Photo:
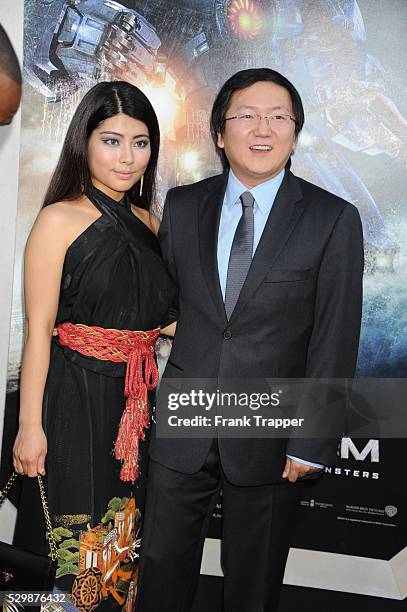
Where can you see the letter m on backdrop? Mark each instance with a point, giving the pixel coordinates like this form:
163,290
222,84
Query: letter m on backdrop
372,447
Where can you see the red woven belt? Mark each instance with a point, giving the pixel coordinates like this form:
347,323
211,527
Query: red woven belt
136,348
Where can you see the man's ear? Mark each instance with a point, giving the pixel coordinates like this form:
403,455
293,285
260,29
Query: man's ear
219,141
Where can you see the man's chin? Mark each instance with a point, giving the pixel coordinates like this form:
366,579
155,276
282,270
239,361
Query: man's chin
256,177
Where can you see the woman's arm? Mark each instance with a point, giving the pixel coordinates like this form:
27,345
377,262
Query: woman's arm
44,259
169,330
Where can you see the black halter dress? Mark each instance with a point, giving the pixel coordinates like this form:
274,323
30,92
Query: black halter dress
113,277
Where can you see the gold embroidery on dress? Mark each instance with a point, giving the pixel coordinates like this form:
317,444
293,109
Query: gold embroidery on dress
103,559
66,520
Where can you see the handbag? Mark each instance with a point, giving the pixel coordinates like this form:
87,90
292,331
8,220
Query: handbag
21,570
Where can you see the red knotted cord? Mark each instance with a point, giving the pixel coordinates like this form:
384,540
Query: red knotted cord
136,348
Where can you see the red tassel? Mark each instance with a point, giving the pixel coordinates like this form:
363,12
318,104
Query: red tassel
134,422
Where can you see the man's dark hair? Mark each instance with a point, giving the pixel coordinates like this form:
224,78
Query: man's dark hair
8,60
246,78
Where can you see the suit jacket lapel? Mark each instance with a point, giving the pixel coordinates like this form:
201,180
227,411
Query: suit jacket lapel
283,217
210,208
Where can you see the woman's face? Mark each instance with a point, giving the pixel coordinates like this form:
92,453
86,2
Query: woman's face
118,153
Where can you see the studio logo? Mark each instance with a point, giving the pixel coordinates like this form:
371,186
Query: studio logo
371,448
390,511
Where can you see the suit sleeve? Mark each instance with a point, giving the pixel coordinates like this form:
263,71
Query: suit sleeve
166,243
334,342
333,348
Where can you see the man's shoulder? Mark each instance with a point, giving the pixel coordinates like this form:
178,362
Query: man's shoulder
192,192
324,202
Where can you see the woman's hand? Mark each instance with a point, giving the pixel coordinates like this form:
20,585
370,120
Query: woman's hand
169,330
30,450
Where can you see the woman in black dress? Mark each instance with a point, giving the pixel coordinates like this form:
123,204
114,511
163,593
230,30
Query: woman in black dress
93,277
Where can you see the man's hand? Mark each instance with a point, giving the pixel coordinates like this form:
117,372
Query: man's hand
295,469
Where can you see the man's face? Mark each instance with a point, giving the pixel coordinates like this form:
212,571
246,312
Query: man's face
241,142
10,95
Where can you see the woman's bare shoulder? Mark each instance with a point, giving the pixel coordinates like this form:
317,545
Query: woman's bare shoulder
67,218
68,209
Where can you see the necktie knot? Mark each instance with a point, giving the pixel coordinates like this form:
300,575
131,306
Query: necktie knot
247,199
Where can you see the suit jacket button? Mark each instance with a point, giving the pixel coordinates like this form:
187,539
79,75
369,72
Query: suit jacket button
227,334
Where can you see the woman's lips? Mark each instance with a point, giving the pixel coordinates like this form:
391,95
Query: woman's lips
124,175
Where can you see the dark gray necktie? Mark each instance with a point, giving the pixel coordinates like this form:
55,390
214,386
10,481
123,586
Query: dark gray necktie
240,253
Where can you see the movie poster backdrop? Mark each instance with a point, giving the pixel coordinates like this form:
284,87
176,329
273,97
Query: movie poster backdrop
347,59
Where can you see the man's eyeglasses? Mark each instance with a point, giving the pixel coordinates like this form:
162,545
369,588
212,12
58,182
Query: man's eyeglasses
251,119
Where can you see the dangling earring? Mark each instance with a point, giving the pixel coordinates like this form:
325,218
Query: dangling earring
141,185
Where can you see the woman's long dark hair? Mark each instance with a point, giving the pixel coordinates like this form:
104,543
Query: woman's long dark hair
71,177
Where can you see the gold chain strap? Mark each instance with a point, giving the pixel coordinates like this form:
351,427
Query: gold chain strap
50,533
44,503
9,484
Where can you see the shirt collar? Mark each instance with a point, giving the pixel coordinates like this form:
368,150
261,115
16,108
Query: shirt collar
264,194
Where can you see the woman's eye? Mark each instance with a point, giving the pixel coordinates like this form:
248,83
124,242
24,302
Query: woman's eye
140,144
110,141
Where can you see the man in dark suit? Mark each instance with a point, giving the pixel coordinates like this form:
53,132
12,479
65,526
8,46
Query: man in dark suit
269,269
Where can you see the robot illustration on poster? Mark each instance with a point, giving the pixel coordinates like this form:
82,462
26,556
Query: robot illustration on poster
194,45
179,53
